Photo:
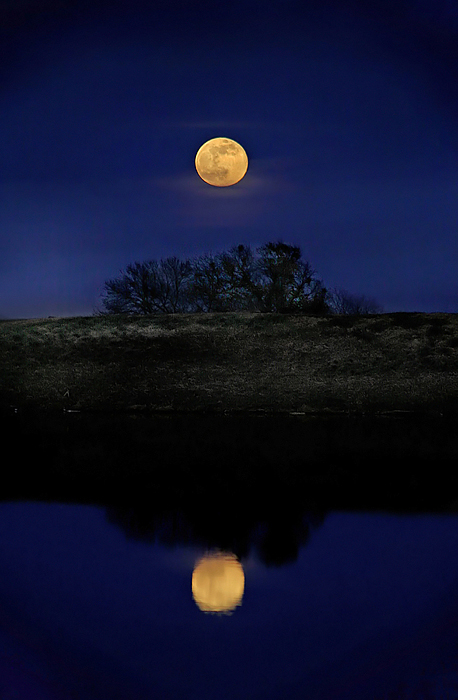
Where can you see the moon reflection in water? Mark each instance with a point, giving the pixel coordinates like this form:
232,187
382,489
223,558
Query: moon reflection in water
218,583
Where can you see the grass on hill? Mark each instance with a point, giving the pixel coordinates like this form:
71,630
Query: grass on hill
231,361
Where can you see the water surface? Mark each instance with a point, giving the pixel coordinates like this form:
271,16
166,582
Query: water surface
368,608
339,535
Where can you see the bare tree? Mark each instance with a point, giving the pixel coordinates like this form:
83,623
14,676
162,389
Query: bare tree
343,302
206,290
288,284
173,282
223,281
274,278
240,277
131,293
148,288
316,301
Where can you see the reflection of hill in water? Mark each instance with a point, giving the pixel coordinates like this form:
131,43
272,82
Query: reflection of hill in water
231,481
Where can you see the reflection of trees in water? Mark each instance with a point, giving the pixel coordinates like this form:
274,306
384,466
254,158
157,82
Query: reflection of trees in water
276,535
233,482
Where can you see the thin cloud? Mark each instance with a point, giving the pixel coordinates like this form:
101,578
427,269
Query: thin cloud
221,124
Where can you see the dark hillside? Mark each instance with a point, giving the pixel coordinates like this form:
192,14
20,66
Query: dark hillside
231,361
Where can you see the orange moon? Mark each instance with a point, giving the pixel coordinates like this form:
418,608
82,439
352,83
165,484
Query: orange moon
221,162
218,583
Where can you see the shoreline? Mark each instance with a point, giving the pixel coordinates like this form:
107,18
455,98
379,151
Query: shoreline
242,413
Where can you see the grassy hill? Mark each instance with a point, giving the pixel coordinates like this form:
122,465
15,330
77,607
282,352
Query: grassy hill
231,361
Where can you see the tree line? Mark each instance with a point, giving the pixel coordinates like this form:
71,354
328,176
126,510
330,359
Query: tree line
271,279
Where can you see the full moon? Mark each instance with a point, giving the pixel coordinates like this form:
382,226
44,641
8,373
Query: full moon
218,583
221,162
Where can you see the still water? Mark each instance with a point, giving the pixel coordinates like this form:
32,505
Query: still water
206,583
369,608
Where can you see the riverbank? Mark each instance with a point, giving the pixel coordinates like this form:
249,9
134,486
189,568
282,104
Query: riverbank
231,362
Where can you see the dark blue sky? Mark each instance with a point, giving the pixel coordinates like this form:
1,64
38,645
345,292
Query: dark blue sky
348,112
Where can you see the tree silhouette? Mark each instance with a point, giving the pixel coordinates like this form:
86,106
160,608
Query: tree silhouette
288,283
206,289
343,302
241,277
273,279
147,288
174,278
223,282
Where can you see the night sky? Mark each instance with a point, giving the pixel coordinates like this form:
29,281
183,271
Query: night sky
348,112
